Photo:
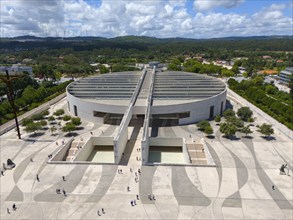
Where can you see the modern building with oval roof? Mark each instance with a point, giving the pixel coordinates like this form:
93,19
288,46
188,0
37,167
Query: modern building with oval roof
187,97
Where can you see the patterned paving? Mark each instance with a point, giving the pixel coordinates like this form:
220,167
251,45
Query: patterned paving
239,187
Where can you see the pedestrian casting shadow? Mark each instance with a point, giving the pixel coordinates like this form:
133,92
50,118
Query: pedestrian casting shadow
269,138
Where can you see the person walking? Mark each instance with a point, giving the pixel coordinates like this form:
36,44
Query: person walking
14,207
38,179
8,211
103,211
99,213
63,178
64,192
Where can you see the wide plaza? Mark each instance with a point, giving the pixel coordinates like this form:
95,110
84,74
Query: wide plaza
240,186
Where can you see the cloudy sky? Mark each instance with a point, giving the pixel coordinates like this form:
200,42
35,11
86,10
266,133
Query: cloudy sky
158,18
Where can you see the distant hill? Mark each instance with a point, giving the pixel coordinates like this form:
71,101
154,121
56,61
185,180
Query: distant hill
143,43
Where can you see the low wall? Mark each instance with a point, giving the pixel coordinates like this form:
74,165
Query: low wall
121,139
62,152
209,157
185,152
88,147
167,142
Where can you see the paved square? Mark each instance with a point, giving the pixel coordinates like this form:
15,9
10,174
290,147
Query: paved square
239,187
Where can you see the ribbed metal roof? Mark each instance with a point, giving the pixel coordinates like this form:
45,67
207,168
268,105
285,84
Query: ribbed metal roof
167,86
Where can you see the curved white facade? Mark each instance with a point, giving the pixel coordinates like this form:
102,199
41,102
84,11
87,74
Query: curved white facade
184,94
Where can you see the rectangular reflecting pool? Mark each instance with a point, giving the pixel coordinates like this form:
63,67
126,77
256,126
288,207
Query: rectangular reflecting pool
163,154
102,154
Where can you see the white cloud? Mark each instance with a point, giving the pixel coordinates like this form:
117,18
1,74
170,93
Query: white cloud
203,5
158,18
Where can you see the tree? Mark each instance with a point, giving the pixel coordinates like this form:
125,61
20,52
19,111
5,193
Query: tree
208,130
244,113
76,121
228,129
246,130
51,118
68,127
26,121
53,129
266,129
37,117
228,113
227,73
218,118
202,125
235,121
33,127
66,117
59,112
43,123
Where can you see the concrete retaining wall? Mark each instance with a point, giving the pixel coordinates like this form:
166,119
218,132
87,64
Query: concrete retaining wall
121,139
63,151
168,142
89,146
186,155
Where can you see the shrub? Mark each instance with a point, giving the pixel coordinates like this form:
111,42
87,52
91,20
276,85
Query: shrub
51,118
228,113
43,123
266,129
244,113
68,127
202,125
250,119
228,129
218,118
66,117
37,117
59,112
33,127
26,121
76,121
208,130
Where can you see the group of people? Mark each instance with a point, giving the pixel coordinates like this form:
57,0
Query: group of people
58,191
103,212
13,207
151,197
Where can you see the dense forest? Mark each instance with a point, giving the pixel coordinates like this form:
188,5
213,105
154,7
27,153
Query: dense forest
267,97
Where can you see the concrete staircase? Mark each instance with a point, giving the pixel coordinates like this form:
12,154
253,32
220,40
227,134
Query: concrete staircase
196,153
73,150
